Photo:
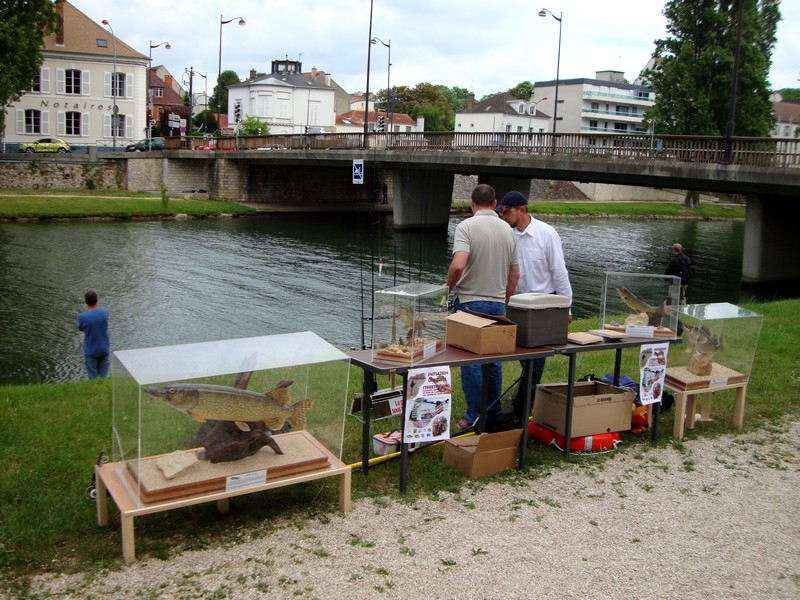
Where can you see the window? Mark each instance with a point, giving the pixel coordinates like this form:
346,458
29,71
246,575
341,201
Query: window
592,124
73,123
101,43
118,126
786,131
622,110
33,121
519,128
521,109
158,92
621,127
508,128
118,82
73,82
595,107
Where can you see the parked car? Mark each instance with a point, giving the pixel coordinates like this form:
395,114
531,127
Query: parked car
46,145
156,143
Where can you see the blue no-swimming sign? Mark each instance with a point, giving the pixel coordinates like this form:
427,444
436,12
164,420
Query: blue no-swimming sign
358,170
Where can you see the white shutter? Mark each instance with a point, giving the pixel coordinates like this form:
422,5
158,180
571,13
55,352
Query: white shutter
85,124
61,123
60,81
129,127
128,86
20,121
44,80
107,126
107,85
86,89
45,122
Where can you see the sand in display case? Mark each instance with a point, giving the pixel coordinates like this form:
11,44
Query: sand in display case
196,418
719,345
410,323
640,305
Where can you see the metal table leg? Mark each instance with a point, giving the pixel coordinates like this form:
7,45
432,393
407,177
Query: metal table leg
368,388
570,401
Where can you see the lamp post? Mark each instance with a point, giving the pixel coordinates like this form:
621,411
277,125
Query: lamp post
543,13
222,22
366,95
192,73
167,46
388,77
115,109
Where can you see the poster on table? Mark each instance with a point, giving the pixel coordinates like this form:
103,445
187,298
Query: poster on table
652,369
428,405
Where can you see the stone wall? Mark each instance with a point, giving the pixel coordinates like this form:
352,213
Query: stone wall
145,173
62,173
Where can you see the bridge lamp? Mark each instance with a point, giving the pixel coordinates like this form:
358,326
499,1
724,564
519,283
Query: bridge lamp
222,22
115,109
167,46
543,13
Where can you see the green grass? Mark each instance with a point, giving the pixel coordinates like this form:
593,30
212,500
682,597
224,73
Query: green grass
51,436
631,209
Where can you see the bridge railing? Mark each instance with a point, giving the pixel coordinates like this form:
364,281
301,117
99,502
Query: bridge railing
759,152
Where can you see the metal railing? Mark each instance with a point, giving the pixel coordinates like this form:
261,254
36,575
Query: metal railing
760,152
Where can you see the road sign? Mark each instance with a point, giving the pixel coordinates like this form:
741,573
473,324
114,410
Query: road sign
358,171
174,120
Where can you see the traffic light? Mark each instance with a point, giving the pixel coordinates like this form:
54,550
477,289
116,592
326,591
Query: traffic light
380,124
237,112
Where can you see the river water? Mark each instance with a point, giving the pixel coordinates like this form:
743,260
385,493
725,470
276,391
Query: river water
183,281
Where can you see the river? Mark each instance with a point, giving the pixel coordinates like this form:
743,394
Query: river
182,281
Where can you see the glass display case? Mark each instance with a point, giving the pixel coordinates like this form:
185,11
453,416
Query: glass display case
719,345
203,417
640,305
409,323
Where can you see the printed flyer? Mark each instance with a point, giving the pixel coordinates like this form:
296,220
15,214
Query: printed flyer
428,405
653,368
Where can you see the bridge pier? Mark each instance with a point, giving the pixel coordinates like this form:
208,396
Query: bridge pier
503,184
422,199
770,241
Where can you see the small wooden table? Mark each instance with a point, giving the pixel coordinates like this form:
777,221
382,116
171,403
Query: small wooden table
116,479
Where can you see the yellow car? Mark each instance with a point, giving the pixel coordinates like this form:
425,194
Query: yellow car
46,145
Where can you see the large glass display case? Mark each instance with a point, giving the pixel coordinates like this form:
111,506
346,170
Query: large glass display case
719,345
410,323
201,417
640,305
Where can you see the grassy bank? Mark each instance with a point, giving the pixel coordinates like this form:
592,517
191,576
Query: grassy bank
30,204
51,435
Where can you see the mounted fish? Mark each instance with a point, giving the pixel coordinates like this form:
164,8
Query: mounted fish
702,344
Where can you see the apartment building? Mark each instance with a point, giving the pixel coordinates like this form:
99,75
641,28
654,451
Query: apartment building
74,94
603,104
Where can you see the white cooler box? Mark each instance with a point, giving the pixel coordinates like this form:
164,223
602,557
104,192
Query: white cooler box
542,319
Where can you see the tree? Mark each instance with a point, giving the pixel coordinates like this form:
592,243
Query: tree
790,93
23,27
253,126
694,68
226,78
163,124
457,98
523,90
425,99
205,121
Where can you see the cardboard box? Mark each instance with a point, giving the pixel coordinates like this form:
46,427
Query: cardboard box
481,334
541,319
597,408
483,454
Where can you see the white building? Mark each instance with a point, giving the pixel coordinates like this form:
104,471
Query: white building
787,117
502,113
286,100
73,98
605,103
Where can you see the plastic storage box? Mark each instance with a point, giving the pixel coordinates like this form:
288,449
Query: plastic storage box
541,319
639,305
410,323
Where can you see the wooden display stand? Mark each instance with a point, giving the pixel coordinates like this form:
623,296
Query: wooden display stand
206,482
687,386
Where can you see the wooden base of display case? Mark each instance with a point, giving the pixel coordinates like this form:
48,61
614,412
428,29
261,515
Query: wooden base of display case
407,356
687,386
304,459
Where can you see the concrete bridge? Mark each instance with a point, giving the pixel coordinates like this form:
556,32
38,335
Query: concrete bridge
283,173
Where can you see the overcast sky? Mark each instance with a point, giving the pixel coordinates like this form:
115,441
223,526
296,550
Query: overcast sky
486,47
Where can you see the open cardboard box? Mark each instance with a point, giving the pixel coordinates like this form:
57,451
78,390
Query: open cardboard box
597,408
481,334
483,454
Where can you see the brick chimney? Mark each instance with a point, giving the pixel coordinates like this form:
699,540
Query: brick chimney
470,100
253,73
168,81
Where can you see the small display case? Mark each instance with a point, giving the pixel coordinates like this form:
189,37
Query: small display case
640,305
200,418
719,345
410,323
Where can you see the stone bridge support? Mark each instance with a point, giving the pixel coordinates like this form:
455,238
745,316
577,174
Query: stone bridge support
228,180
503,184
771,241
422,199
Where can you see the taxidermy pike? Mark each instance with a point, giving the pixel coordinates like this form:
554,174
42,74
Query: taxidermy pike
638,305
700,339
204,402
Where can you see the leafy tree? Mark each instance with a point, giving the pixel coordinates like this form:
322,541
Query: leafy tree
425,99
790,93
163,123
205,121
253,126
226,78
23,27
457,99
692,78
523,90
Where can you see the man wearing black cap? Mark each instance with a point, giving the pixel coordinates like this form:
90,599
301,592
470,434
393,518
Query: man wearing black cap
541,269
482,275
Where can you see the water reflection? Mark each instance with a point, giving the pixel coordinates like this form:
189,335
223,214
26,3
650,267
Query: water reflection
171,282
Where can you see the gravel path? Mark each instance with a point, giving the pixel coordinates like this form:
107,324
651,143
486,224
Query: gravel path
706,518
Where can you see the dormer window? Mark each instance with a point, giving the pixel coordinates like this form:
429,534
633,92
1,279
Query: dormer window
521,109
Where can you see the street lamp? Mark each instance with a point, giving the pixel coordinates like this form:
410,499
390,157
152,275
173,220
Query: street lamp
366,95
543,13
115,109
222,22
167,46
532,111
388,77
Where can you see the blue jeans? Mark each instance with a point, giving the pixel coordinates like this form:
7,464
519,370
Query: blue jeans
472,375
97,366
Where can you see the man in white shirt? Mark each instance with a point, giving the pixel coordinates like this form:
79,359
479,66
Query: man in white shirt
541,269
